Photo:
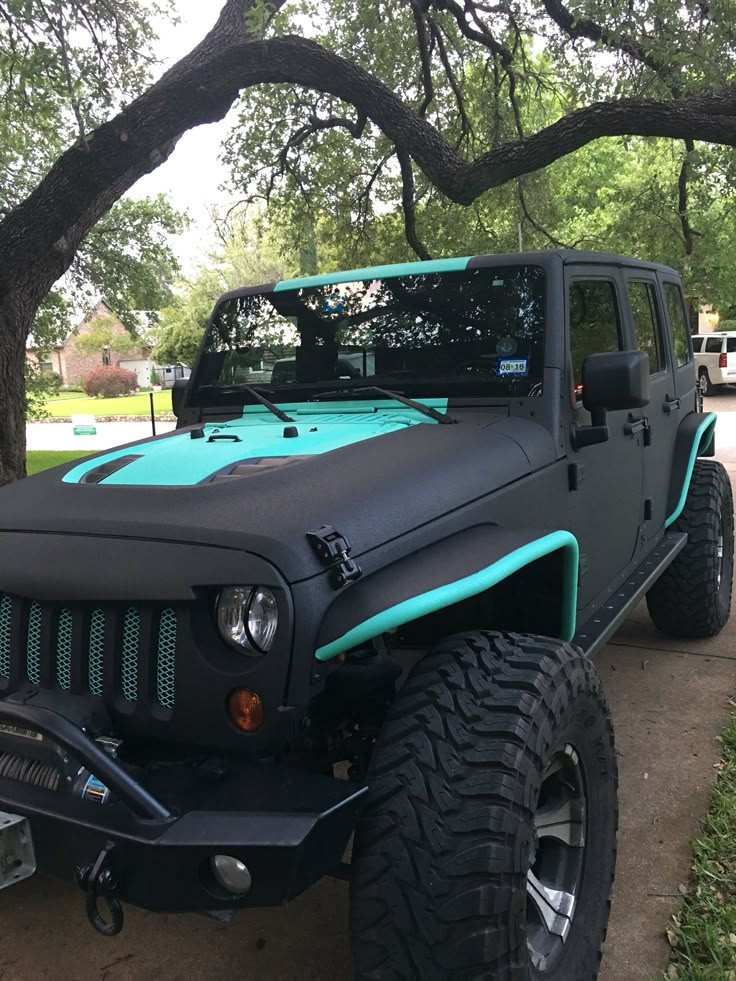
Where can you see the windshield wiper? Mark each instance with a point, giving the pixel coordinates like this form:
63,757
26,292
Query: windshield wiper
254,393
441,417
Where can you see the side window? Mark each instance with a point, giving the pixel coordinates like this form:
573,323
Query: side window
595,324
713,345
730,346
697,344
647,323
679,327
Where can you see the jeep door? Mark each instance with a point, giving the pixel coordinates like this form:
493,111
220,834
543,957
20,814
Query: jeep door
648,332
606,480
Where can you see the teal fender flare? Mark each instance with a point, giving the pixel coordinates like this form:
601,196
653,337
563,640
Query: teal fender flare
446,572
694,438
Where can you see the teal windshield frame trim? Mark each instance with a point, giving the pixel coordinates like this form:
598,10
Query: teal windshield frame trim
472,585
701,442
376,272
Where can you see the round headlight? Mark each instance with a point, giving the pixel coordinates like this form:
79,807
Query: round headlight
263,615
247,617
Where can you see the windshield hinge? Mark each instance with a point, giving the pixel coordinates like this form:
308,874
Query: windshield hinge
333,551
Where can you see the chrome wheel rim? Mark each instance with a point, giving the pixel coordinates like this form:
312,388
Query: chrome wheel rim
556,868
719,557
703,383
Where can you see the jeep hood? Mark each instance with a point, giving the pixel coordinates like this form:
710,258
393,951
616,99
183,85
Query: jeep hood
374,474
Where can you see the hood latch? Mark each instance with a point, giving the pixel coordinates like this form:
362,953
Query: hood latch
333,550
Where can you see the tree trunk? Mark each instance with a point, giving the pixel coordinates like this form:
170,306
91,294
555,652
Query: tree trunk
15,323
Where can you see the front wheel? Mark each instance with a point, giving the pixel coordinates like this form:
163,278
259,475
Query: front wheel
486,849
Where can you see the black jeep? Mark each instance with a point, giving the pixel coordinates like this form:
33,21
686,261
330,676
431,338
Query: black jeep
364,603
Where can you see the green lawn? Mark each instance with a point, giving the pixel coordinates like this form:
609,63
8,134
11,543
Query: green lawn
125,405
60,396
704,932
38,460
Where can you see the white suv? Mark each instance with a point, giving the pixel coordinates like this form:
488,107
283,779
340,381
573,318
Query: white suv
715,360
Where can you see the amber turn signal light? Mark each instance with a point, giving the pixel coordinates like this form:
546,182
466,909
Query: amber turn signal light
246,709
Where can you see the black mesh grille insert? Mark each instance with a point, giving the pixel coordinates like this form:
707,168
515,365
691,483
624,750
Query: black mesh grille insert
122,652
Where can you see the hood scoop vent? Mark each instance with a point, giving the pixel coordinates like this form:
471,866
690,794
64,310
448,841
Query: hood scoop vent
98,474
246,468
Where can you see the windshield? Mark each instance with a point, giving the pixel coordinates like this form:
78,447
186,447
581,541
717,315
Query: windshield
472,333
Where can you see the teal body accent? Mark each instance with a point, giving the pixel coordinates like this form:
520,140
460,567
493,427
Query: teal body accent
461,589
375,272
703,438
179,460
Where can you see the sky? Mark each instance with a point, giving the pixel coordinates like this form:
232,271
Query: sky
192,176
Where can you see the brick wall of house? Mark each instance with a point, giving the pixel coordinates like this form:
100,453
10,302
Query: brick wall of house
51,357
75,363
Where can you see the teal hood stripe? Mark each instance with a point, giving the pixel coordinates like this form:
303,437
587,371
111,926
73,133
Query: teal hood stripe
179,460
376,272
461,589
703,438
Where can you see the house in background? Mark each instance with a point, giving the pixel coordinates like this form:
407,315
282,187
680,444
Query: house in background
72,363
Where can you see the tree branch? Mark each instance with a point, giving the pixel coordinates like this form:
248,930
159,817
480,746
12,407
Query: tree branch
583,27
682,198
408,206
424,43
533,222
40,236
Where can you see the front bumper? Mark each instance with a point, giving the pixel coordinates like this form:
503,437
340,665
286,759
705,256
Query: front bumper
288,826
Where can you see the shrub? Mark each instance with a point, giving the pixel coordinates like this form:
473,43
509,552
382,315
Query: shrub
40,385
107,382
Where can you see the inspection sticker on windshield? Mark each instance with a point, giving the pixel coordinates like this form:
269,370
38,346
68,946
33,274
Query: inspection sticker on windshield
512,366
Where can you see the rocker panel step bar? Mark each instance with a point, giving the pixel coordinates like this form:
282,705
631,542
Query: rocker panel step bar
596,631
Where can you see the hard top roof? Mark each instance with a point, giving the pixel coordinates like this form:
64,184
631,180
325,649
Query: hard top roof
568,256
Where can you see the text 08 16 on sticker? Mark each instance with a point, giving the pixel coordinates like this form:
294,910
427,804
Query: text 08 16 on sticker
513,366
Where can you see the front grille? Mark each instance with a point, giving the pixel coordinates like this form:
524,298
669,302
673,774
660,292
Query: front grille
124,653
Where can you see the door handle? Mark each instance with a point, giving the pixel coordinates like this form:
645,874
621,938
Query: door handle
669,405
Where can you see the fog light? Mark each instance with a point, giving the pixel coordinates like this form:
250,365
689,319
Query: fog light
231,874
246,709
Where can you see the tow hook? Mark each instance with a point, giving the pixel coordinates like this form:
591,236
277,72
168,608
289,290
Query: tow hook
98,881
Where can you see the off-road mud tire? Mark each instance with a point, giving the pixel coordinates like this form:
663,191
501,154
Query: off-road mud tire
443,848
689,599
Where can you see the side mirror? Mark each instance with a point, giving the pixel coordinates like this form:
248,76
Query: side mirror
179,395
611,381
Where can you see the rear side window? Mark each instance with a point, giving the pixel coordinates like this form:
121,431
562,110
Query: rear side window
679,327
731,344
713,345
647,329
595,324
697,344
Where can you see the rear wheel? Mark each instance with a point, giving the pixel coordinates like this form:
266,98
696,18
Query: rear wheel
704,385
693,597
487,846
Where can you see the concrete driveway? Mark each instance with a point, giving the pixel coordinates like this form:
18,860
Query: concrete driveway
669,700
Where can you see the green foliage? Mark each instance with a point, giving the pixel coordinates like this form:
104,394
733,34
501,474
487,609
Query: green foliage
102,334
39,386
247,255
62,66
340,182
703,934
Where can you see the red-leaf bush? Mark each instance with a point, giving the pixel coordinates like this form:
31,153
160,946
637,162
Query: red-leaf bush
107,382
